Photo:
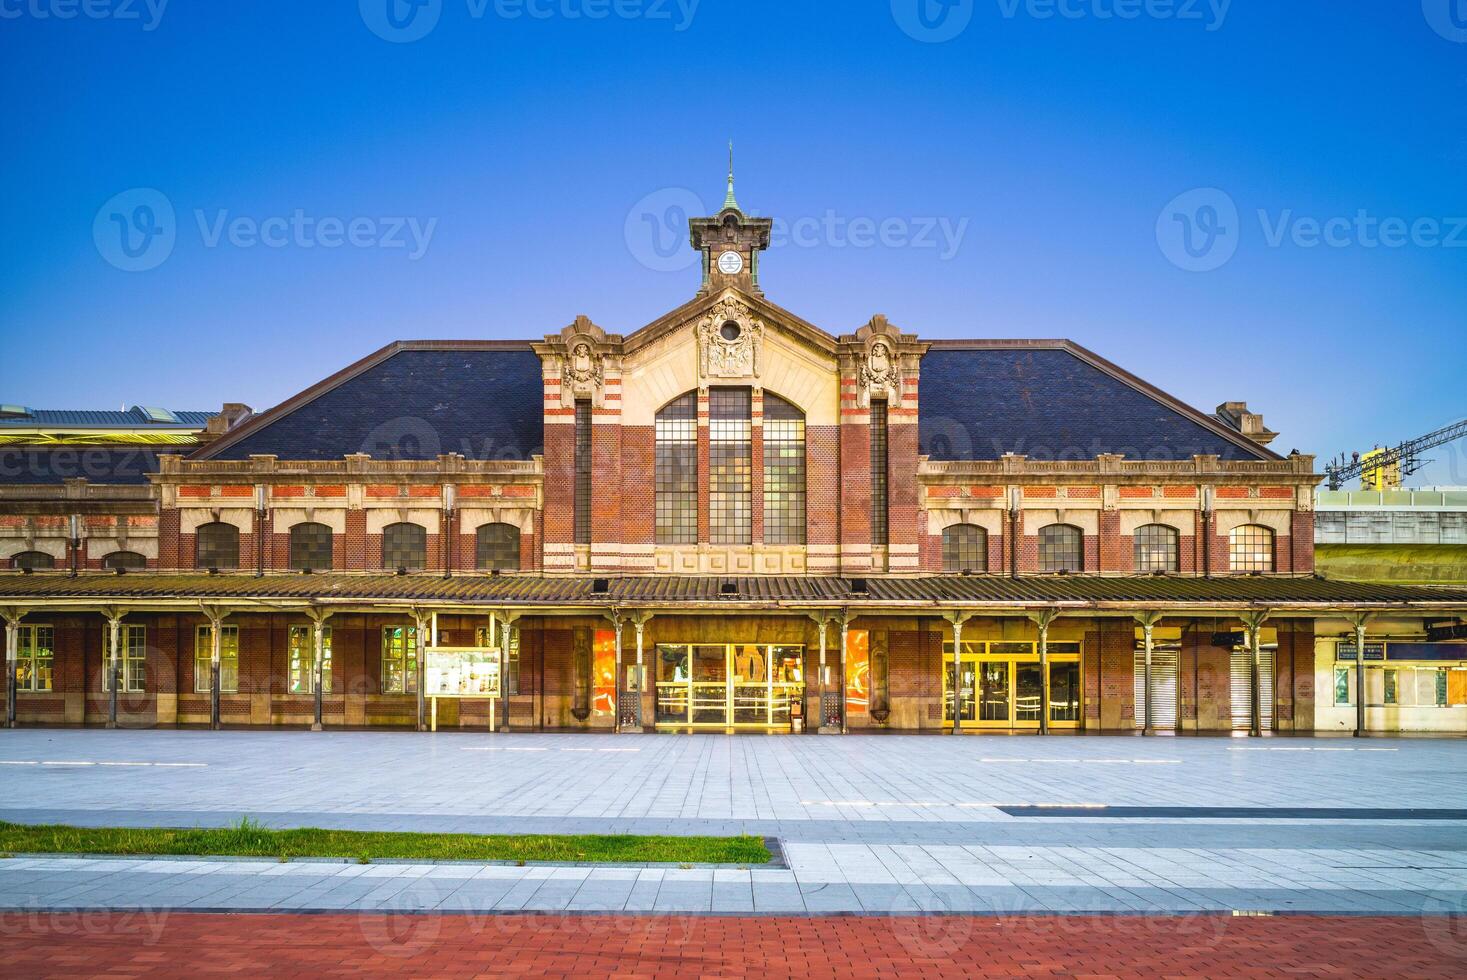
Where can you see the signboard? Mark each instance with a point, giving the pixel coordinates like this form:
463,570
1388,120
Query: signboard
1373,651
461,672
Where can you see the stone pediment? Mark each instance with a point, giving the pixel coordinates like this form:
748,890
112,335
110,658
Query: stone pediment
743,308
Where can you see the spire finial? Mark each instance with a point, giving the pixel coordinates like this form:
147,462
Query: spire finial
730,201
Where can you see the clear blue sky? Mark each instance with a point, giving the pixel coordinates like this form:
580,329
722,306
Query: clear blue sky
1054,143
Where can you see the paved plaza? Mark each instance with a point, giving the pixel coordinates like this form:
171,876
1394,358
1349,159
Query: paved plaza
886,825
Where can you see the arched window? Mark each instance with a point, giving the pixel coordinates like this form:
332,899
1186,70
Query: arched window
784,472
1156,548
35,560
499,548
126,560
677,471
217,546
1250,548
310,547
405,546
1061,548
964,548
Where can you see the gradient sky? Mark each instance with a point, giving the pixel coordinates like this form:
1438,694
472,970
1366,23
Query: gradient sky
541,146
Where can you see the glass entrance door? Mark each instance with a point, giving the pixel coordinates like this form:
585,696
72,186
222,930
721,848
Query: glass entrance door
710,694
967,687
728,685
1002,685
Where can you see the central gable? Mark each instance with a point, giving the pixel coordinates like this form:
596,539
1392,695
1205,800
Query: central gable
730,339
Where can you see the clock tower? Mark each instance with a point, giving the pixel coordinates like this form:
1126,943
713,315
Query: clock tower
730,242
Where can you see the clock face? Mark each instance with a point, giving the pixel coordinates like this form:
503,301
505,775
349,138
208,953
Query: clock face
730,263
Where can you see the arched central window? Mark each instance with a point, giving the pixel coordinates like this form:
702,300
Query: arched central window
1250,548
1061,549
784,472
677,471
310,547
964,548
405,546
730,466
1156,548
499,547
217,546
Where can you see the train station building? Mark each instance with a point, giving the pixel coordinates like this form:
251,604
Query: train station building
730,518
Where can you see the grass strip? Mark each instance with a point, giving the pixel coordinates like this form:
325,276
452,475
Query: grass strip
249,839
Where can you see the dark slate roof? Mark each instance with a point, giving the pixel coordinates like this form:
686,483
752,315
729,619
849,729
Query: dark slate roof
1055,403
408,402
111,464
84,418
673,591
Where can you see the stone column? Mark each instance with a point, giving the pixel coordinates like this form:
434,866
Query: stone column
12,643
1043,620
1148,623
616,620
957,620
845,636
1360,622
318,669
1253,623
216,619
114,638
420,634
507,629
639,624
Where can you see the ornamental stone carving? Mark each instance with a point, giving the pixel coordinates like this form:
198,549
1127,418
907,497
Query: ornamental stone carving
880,359
879,373
583,368
579,360
730,342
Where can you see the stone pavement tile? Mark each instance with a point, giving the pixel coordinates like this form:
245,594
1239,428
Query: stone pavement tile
733,896
602,895
773,897
829,897
644,892
477,896
519,895
1083,899
884,899
684,896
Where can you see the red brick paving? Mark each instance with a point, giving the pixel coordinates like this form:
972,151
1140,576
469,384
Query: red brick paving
193,945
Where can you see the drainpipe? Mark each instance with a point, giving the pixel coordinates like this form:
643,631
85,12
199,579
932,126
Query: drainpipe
449,500
259,530
76,543
1014,504
1207,532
